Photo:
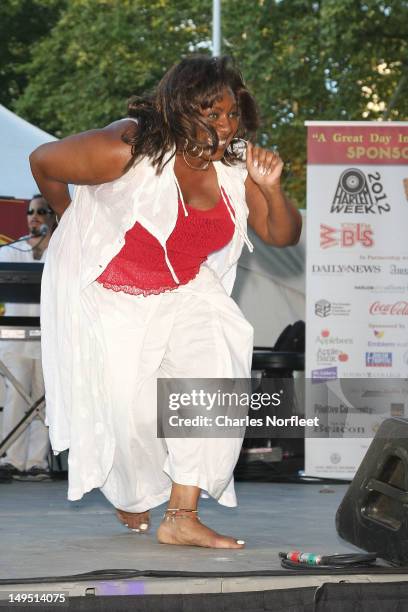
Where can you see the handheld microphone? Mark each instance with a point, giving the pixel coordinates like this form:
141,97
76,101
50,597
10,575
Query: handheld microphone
41,231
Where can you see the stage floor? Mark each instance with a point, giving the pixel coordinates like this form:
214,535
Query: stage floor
43,534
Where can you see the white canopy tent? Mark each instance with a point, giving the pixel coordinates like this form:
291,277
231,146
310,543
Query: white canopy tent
18,139
270,287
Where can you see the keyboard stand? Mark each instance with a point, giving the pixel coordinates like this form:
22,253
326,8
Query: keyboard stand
28,329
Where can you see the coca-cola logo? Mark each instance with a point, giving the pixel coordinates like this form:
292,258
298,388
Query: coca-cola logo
397,308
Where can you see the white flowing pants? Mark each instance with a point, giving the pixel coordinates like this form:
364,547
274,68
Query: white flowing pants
195,331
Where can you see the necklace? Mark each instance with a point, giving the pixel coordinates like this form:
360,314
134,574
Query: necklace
194,167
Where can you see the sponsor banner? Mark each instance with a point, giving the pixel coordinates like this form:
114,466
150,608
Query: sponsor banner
351,143
357,264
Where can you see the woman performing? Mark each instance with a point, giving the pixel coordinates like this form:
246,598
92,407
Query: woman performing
136,287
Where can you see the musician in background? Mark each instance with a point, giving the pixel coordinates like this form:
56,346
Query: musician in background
27,457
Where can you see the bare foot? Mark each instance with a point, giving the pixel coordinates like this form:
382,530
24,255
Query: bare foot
189,531
136,521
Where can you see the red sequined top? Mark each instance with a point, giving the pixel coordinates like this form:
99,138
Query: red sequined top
140,266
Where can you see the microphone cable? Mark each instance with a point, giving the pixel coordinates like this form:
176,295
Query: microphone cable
305,561
43,231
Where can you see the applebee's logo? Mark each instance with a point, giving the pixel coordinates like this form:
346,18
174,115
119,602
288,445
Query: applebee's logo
398,308
326,339
348,235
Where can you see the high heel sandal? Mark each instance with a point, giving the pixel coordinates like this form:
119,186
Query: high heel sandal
124,517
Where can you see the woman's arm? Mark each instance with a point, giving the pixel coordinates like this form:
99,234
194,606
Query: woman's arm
271,215
89,158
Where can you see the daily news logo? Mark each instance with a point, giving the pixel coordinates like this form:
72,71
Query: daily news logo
346,236
360,193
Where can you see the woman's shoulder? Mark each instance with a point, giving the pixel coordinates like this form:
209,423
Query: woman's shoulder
120,128
120,124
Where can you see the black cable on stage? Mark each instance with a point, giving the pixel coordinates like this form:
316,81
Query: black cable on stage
126,574
327,563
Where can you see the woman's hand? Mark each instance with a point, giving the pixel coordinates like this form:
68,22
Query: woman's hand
264,167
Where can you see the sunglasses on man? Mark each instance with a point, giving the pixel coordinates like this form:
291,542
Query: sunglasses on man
39,211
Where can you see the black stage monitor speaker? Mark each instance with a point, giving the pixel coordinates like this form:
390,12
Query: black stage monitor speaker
374,512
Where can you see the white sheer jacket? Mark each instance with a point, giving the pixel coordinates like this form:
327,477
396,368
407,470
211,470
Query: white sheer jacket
90,233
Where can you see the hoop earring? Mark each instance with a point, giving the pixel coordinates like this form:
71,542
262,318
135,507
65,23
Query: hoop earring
195,148
206,165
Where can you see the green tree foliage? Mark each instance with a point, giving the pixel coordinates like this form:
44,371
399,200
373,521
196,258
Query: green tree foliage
320,60
102,51
303,59
22,22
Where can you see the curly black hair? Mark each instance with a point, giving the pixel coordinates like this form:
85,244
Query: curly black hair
172,114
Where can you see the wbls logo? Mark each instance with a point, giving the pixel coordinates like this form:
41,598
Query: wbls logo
348,235
358,193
